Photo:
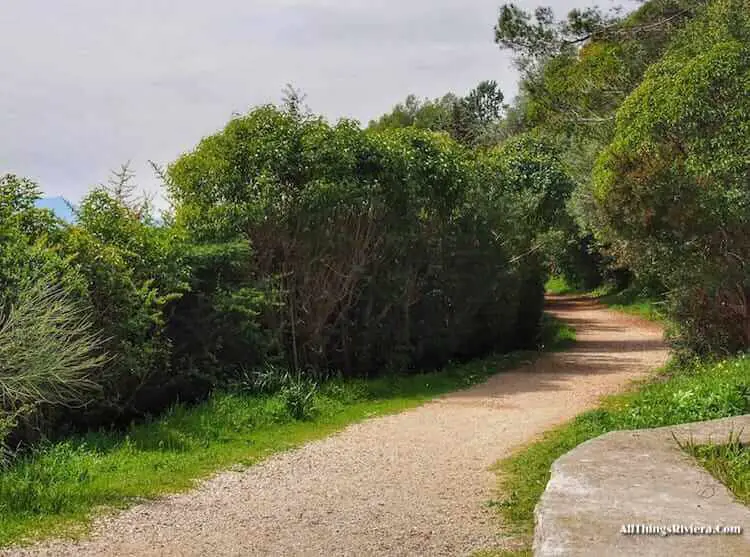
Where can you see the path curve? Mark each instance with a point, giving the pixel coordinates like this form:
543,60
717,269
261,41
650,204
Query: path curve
414,483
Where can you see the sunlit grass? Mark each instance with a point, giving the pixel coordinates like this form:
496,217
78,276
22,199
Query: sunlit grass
559,286
631,300
634,302
729,463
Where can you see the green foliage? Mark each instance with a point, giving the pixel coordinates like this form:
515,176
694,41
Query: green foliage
298,398
18,213
296,390
576,74
317,249
133,272
109,284
635,300
661,190
531,171
558,286
386,248
728,462
48,349
574,258
471,120
673,186
538,36
215,327
25,237
435,115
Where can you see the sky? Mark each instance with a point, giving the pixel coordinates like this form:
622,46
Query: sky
87,85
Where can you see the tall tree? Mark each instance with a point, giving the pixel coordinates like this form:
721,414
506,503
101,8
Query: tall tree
467,119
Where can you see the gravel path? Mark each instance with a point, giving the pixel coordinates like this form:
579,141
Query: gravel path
408,484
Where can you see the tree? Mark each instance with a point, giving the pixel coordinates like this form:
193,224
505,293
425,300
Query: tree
467,119
538,36
388,246
673,186
293,101
485,102
534,38
576,75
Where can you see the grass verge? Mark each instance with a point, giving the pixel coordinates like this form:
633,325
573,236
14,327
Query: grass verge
559,286
57,489
632,300
729,463
699,392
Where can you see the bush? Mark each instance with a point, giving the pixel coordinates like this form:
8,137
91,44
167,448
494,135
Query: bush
391,249
133,272
673,186
320,250
215,326
49,350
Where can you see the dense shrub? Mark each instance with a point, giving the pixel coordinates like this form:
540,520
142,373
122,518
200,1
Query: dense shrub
27,239
388,249
132,271
674,186
215,329
576,73
298,246
49,351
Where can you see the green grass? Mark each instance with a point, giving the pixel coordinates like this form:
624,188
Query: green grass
57,489
558,286
634,302
631,300
556,335
729,463
674,396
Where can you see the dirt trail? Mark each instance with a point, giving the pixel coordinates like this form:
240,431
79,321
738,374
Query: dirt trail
408,484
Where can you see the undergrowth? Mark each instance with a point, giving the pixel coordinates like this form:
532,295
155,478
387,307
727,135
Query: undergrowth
728,462
633,301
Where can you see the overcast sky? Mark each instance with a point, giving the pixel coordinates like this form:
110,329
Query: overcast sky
86,85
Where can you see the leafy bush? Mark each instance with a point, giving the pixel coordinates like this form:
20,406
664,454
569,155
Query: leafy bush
48,347
320,250
673,186
296,390
397,248
133,272
215,326
49,351
298,398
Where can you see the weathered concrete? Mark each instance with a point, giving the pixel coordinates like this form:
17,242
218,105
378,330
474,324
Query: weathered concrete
640,477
